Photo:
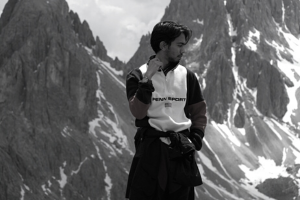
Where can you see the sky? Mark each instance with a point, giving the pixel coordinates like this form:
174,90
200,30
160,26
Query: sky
118,23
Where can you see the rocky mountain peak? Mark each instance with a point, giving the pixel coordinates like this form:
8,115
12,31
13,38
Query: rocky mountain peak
83,30
48,98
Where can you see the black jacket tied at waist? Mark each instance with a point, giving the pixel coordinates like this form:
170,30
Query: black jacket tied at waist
171,165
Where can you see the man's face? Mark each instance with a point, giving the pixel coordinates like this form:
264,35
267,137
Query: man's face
176,49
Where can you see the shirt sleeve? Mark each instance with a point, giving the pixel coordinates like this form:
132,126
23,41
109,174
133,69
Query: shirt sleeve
196,105
138,94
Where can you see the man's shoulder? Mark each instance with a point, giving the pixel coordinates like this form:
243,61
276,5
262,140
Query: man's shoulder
184,68
143,68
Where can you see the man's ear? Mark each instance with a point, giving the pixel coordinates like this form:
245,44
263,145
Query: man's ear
163,45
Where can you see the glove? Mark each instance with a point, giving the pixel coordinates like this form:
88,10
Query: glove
175,141
196,139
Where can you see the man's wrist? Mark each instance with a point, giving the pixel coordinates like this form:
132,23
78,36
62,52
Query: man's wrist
145,79
148,75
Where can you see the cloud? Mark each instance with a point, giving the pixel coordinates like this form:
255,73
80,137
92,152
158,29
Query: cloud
110,9
2,4
118,23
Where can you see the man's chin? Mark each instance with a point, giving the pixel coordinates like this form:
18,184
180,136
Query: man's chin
177,59
174,62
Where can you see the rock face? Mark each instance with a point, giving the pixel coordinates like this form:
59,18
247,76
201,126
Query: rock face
255,65
239,118
48,86
83,30
280,189
99,50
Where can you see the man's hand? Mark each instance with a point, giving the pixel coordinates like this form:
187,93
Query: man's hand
154,65
196,139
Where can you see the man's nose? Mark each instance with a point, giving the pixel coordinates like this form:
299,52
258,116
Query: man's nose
183,50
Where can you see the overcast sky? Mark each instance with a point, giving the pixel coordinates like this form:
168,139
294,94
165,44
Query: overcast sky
118,23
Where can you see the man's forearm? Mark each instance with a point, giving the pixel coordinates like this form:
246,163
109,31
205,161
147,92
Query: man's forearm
138,108
198,116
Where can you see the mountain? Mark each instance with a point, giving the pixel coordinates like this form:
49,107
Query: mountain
60,138
65,128
245,54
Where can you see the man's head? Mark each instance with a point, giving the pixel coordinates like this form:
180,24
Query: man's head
170,38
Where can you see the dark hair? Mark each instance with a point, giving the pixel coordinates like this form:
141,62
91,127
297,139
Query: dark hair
168,31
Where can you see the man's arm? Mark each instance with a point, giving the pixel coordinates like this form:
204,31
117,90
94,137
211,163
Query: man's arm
139,93
198,117
139,88
196,110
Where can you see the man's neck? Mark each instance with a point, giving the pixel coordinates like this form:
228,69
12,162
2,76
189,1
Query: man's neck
163,60
167,65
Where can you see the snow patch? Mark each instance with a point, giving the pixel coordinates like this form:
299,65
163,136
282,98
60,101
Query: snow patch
266,170
112,71
22,193
271,126
66,131
96,122
284,150
242,131
197,43
288,68
295,141
198,21
79,167
112,151
226,133
232,32
116,134
218,160
208,163
98,151
253,93
107,179
45,189
63,176
283,11
108,186
252,40
234,110
218,188
49,183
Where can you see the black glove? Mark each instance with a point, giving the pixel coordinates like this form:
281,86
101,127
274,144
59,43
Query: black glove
196,139
175,140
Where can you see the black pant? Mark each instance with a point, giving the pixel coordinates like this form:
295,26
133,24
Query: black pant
183,193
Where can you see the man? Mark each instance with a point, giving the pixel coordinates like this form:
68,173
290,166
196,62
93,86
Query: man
166,100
